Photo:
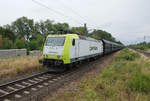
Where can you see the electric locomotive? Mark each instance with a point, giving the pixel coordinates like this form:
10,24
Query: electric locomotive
59,51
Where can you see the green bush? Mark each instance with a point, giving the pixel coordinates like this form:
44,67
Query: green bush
140,82
20,43
1,41
148,98
7,44
128,55
107,74
33,45
118,66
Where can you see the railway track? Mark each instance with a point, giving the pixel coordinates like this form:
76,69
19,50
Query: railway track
38,86
16,89
143,52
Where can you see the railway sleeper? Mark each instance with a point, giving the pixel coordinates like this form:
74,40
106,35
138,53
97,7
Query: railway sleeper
3,92
43,78
32,81
26,83
7,100
37,79
26,92
18,85
11,88
17,96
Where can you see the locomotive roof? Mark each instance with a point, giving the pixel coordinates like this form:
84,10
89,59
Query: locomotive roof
76,36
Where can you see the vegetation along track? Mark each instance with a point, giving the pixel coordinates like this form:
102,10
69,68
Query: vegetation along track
16,90
143,52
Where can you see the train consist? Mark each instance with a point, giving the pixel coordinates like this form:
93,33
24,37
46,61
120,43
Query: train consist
63,50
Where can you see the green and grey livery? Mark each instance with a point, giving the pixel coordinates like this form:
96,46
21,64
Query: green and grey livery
70,48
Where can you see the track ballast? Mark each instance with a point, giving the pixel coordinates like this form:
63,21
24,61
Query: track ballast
14,90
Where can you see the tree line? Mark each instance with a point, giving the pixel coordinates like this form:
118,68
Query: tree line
142,46
26,33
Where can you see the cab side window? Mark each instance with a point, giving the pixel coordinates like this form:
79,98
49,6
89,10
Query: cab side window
73,42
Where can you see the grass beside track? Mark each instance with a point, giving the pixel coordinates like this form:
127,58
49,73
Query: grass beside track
127,78
12,67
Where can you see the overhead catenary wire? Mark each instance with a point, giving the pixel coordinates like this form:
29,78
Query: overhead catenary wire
84,18
71,9
55,11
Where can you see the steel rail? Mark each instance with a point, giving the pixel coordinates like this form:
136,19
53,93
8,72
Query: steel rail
13,92
22,79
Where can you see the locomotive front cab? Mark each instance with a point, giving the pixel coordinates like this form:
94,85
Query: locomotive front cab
56,50
53,50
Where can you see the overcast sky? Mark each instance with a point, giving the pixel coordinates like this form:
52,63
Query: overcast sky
127,20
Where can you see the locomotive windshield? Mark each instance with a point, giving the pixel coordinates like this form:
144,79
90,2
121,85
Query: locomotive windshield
55,41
